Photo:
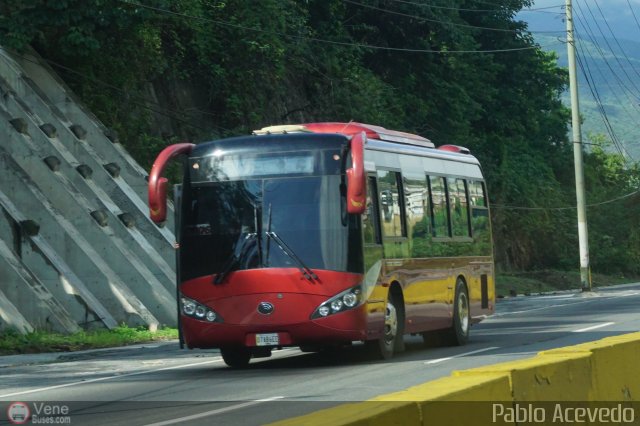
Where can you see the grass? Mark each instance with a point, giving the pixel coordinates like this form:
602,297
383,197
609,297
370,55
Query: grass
12,342
536,282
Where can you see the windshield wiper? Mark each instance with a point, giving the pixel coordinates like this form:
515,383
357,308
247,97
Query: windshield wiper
235,257
266,255
257,223
306,271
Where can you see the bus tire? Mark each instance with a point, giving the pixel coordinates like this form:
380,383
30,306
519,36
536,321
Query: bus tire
458,334
393,319
237,357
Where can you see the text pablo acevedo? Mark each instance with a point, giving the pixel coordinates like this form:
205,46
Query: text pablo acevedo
562,413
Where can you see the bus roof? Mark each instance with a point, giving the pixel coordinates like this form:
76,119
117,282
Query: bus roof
350,129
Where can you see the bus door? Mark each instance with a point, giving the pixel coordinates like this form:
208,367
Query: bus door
373,257
177,205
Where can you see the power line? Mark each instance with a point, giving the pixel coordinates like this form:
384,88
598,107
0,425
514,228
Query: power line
595,93
586,71
431,6
634,14
502,5
616,39
613,200
628,92
602,110
453,24
318,40
599,49
584,65
611,48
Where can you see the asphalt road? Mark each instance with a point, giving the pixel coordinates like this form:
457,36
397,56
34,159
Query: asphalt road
161,384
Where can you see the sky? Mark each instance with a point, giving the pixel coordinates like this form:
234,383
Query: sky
618,14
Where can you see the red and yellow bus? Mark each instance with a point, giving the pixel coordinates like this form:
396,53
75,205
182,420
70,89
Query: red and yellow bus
323,234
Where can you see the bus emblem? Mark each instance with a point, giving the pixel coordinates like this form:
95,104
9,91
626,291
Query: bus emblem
265,308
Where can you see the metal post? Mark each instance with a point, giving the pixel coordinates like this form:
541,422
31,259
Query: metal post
583,236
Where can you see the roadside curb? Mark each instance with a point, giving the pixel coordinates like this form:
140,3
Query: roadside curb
577,292
8,361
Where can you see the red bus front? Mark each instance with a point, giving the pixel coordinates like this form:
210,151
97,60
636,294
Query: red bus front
269,255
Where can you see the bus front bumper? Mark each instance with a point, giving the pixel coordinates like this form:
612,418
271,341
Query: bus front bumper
340,328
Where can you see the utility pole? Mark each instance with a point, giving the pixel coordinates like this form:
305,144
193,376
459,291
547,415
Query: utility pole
583,236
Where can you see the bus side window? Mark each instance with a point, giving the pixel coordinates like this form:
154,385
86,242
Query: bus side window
391,204
479,210
459,207
371,216
417,200
439,206
476,194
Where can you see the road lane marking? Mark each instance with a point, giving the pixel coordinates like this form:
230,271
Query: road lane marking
435,361
524,311
117,376
137,373
212,412
593,327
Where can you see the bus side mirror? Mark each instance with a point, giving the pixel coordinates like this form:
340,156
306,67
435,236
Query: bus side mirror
158,208
356,177
157,189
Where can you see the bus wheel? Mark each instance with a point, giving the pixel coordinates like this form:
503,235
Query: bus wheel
458,334
236,357
383,348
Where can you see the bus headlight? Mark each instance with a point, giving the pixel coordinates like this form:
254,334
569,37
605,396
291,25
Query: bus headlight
211,316
188,306
193,309
350,300
341,302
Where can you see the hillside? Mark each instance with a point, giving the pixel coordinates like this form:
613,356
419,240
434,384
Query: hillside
614,79
609,62
462,72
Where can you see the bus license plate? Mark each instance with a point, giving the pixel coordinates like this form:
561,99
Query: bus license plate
269,339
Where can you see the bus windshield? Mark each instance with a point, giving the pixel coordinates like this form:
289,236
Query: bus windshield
228,221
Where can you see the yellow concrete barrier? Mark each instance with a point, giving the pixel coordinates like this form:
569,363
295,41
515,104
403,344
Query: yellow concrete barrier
605,370
557,377
615,366
486,387
369,413
427,404
436,399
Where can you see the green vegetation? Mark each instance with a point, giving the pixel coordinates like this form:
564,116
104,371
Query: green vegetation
158,71
15,343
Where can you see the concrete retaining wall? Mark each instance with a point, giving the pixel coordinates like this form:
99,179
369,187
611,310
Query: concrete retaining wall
54,93
607,370
36,306
35,254
78,247
82,255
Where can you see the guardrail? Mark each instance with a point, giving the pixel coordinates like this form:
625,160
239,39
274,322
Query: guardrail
590,383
